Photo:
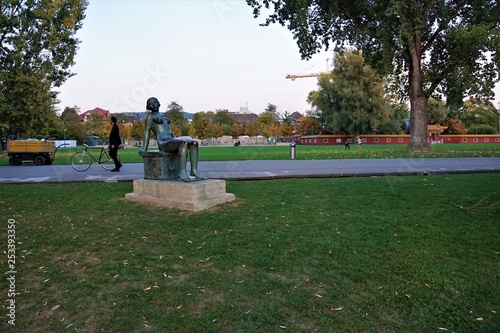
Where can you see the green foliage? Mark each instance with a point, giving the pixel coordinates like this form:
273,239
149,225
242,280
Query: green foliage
251,129
73,127
438,111
37,48
267,118
271,108
479,112
448,47
137,131
222,117
95,125
397,122
481,129
175,112
198,126
351,98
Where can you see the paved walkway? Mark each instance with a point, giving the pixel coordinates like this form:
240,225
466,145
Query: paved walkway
258,169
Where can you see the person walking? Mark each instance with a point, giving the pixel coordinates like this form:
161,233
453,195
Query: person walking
114,143
360,142
347,144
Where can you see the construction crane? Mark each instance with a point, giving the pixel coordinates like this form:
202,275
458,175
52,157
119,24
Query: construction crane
298,76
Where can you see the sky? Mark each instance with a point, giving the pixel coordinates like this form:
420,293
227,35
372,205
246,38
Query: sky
205,55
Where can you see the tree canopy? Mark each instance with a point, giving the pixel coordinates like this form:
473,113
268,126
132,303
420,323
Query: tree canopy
447,47
351,98
37,49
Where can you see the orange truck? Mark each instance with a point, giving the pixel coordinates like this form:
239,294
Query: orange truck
31,151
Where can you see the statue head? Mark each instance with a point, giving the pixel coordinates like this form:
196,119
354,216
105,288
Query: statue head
152,104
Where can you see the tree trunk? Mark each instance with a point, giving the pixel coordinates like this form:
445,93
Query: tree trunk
418,102
418,124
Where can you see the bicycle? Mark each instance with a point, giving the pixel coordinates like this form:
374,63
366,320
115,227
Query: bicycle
81,161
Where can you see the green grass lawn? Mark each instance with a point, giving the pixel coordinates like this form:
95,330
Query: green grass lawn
225,153
388,254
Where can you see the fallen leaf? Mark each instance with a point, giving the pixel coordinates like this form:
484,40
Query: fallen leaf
333,310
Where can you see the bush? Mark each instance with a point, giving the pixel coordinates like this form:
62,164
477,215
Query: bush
481,129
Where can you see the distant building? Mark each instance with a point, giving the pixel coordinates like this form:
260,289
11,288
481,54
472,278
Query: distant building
132,117
294,118
101,112
243,118
244,110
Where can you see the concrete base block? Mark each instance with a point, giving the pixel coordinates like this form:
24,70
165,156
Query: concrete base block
161,165
193,196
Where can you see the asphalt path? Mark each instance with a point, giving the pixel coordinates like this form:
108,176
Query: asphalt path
262,169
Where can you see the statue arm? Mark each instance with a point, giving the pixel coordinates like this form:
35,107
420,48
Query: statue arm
145,141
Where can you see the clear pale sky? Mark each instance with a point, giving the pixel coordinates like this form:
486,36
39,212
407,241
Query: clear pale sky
203,54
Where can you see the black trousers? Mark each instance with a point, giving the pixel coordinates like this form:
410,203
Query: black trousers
113,153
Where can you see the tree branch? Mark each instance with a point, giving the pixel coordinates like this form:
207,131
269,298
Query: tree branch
442,25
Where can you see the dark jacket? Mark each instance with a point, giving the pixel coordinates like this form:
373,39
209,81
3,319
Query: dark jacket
114,136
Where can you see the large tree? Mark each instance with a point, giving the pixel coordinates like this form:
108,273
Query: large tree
351,98
448,47
37,48
73,128
479,112
222,117
175,112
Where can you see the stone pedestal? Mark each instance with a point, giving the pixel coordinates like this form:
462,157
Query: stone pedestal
161,165
193,196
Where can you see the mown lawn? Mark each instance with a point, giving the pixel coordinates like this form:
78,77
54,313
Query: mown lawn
389,254
225,153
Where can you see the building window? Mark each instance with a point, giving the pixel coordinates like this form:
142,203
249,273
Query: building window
497,139
476,140
338,140
388,140
464,140
325,140
486,139
400,140
376,140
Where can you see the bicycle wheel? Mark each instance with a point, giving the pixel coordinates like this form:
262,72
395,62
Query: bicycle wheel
107,162
81,161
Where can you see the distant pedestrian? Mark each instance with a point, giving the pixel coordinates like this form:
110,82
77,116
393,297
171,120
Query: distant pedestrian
360,142
347,144
114,143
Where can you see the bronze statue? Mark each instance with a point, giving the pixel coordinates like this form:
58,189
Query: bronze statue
159,124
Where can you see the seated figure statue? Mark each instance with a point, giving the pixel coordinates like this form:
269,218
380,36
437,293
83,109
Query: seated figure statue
159,124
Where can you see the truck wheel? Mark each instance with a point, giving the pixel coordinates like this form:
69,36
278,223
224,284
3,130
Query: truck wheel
15,160
39,160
